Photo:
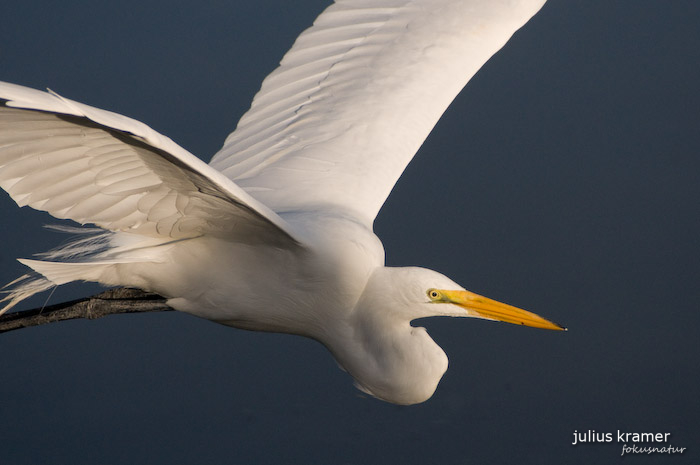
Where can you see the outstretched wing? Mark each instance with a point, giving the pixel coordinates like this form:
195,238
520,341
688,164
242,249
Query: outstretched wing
352,101
93,166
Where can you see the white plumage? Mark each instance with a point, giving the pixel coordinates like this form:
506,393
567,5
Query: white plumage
356,96
276,233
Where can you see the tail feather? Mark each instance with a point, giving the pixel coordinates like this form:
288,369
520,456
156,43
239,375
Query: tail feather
65,272
93,255
87,242
22,288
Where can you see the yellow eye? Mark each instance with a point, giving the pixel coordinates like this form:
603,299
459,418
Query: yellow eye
434,294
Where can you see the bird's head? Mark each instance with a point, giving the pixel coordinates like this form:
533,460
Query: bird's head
413,293
400,363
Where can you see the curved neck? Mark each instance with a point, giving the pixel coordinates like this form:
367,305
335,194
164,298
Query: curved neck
390,359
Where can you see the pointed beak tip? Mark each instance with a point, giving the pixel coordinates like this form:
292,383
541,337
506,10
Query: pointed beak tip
494,310
557,326
546,324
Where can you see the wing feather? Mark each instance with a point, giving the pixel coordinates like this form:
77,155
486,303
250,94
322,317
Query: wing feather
93,166
352,101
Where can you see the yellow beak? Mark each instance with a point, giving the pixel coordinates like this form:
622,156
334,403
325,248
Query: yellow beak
484,307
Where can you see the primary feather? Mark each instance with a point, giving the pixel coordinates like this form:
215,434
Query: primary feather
337,122
93,166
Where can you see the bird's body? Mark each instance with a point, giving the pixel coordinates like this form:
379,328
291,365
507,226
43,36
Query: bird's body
324,277
336,291
276,233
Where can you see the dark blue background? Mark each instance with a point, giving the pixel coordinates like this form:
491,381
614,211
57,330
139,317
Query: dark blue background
564,179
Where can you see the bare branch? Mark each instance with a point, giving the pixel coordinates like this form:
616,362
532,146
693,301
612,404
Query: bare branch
111,302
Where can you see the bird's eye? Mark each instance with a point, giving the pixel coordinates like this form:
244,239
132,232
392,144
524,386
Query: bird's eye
434,294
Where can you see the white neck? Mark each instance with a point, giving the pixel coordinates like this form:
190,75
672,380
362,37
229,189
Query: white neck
389,358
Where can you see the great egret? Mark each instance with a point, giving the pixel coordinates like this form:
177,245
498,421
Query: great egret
275,234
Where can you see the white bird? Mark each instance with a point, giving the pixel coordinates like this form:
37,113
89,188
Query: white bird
275,234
